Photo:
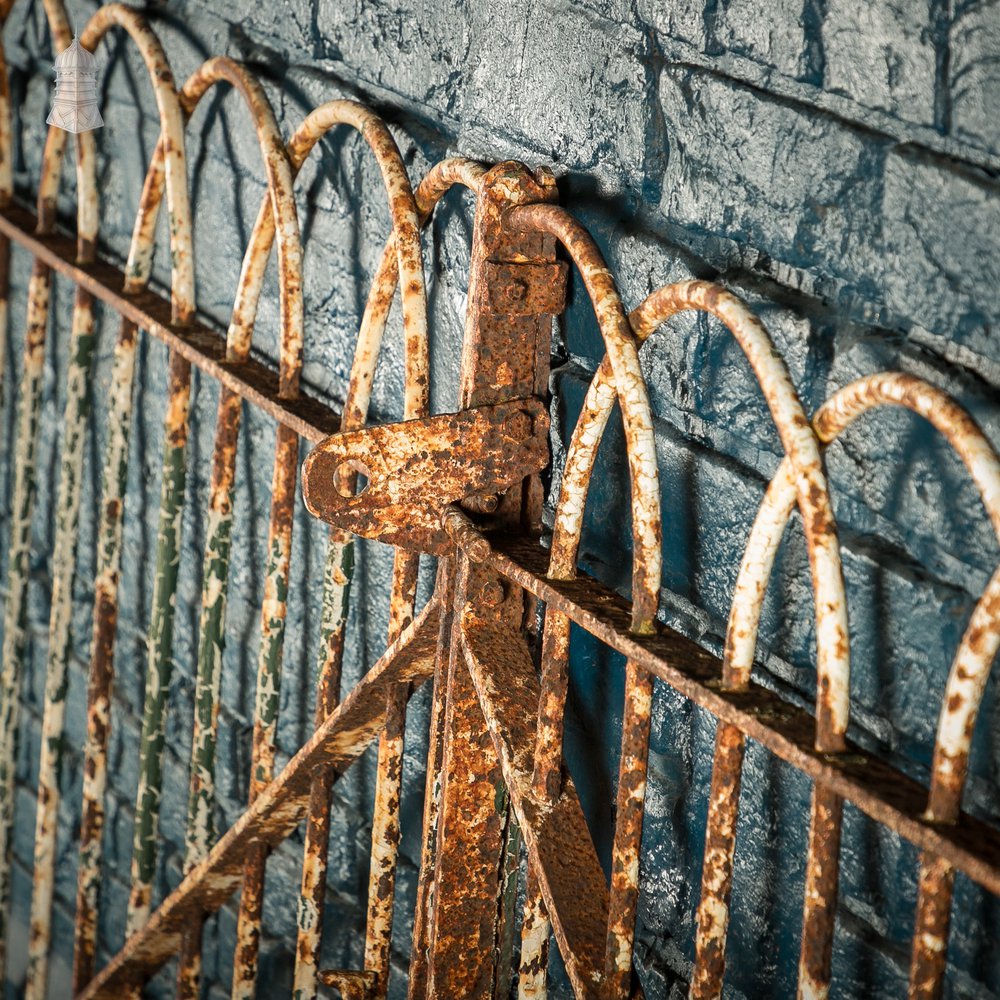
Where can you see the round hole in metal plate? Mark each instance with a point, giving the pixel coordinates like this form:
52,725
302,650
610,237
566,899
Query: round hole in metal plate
351,478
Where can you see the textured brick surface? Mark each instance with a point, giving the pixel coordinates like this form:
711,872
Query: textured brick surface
833,162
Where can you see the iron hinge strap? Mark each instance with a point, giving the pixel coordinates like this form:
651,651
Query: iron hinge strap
410,472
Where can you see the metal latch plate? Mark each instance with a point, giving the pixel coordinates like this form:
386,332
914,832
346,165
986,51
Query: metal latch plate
415,468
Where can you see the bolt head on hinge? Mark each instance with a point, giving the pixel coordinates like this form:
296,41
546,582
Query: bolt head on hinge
525,289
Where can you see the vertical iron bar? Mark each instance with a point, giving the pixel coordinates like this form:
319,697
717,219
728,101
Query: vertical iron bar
547,775
336,598
469,846
95,775
248,923
819,914
160,659
717,866
535,931
626,849
929,950
78,397
547,784
18,568
506,920
211,633
211,644
388,786
423,912
385,841
189,961
267,696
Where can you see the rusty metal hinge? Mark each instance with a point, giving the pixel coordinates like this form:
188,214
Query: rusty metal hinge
414,469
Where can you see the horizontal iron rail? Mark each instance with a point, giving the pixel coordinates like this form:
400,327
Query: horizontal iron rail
875,787
277,810
150,311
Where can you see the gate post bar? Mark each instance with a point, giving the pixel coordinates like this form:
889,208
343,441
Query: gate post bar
505,355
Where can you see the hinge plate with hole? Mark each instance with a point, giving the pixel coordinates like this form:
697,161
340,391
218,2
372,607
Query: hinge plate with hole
416,468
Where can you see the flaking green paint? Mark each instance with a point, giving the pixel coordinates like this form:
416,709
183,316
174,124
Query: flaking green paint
160,662
272,648
67,516
114,476
337,576
211,644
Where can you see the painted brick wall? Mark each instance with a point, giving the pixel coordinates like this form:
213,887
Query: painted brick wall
835,162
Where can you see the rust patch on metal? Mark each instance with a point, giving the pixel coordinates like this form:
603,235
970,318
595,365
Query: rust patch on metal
547,776
559,846
416,468
717,865
352,985
877,789
929,954
525,289
819,914
277,811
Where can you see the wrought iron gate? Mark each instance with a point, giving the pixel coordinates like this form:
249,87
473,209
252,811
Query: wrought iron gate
494,637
